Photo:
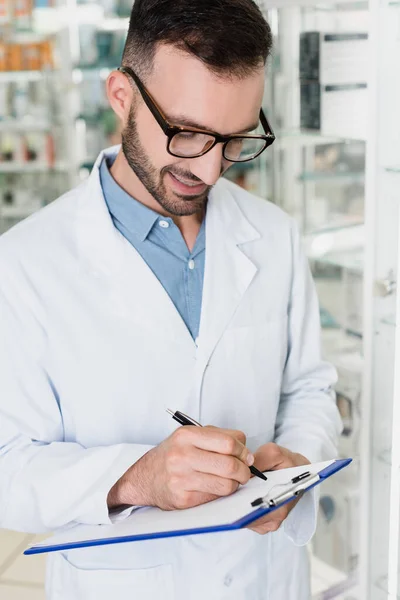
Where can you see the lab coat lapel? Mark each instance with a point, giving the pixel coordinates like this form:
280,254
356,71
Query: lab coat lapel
134,292
228,271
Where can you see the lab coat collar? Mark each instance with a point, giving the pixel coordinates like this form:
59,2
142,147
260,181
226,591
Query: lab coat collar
228,271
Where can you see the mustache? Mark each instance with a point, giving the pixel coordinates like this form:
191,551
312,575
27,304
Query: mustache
187,175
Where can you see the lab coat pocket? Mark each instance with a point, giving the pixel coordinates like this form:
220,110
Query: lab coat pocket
79,583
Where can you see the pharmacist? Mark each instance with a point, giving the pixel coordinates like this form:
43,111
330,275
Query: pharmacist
155,284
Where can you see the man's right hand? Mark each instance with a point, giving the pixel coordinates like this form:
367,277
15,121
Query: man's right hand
192,466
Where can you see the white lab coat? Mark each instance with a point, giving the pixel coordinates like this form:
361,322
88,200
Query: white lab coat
92,352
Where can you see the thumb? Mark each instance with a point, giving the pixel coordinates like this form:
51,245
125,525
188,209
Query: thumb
270,457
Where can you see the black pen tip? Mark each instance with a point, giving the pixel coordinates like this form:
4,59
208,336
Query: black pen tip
257,502
258,473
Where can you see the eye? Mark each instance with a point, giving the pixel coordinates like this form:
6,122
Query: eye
187,135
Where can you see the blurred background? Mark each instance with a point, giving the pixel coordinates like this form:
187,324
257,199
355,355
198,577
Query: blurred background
333,98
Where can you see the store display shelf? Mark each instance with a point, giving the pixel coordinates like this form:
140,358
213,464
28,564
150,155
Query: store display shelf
341,348
31,167
385,456
87,71
24,76
17,212
382,585
295,3
50,20
307,137
315,176
338,246
24,125
389,320
27,36
340,224
327,581
350,5
114,23
395,168
351,260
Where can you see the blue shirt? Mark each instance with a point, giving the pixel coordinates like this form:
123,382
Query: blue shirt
161,245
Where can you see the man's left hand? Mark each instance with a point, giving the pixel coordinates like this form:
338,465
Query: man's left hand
271,457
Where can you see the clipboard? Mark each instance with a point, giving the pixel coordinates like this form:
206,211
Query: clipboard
251,502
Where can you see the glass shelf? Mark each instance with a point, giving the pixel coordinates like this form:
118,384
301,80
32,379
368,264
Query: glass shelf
386,457
30,167
395,168
303,137
310,176
351,260
16,76
24,125
382,584
351,5
50,20
309,137
94,71
17,212
389,320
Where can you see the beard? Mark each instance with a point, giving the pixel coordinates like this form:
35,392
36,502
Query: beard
153,179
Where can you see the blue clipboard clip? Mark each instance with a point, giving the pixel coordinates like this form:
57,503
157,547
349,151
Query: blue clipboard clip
295,488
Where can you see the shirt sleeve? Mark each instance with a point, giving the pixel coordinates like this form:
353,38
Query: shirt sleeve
45,481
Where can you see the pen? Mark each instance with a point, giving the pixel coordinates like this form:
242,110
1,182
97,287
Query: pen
185,420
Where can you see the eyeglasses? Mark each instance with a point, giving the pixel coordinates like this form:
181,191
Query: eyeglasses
191,142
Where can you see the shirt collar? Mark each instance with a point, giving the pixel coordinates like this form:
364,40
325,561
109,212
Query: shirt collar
133,215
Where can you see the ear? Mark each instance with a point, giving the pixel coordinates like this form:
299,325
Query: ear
120,95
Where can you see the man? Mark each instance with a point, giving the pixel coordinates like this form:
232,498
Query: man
157,284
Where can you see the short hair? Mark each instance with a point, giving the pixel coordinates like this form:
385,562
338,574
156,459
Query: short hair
231,37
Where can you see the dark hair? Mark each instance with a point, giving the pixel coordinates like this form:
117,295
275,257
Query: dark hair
231,37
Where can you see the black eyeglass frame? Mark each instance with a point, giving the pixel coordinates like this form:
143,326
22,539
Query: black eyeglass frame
172,130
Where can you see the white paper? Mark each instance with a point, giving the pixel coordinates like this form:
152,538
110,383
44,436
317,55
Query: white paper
147,520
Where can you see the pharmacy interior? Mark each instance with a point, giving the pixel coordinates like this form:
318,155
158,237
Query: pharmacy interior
332,96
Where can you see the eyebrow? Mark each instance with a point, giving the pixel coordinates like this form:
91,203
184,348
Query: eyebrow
181,120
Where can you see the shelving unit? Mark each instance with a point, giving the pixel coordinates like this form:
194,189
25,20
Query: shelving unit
321,180
380,504
37,161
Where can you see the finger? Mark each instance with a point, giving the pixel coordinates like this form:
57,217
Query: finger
269,457
188,499
216,440
211,484
221,465
263,529
236,433
268,527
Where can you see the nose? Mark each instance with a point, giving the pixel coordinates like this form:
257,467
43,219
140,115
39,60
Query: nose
208,167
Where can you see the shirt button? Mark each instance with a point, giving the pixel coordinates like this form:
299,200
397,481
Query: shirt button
191,264
164,224
228,580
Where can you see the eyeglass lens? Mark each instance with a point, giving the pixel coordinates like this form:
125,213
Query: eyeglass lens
190,144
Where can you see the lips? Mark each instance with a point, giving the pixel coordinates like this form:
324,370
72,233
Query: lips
187,188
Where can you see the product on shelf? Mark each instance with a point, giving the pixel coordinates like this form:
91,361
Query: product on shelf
3,51
334,58
33,56
333,88
44,3
22,13
335,110
27,148
5,13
